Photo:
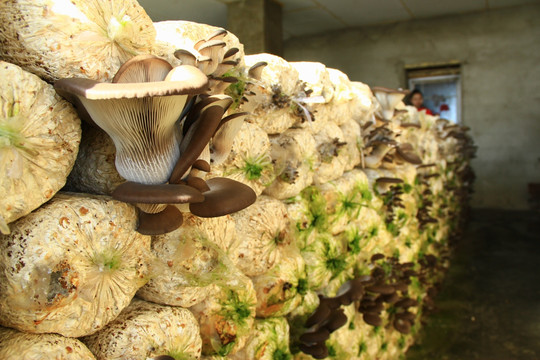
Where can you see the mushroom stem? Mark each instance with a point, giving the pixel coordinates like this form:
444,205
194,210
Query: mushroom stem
374,159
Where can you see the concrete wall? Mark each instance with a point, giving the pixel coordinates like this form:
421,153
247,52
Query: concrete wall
500,55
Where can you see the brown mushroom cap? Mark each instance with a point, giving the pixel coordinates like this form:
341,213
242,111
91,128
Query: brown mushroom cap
226,196
372,319
132,192
163,222
388,180
255,71
318,351
163,357
337,319
313,337
198,136
319,315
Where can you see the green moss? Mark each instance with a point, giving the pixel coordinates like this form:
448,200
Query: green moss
362,348
402,342
235,90
302,286
384,346
336,265
331,351
373,231
407,188
108,260
226,349
179,355
254,167
234,309
352,326
354,239
281,354
10,132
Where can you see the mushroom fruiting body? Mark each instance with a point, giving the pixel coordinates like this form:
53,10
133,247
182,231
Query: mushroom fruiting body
140,114
389,99
140,110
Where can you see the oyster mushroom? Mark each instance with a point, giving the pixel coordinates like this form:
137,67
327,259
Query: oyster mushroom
140,112
139,116
388,98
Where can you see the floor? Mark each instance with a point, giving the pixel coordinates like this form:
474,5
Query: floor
488,307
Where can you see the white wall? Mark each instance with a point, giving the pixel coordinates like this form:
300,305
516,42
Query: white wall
500,55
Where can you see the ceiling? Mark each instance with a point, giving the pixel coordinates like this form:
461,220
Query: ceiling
308,17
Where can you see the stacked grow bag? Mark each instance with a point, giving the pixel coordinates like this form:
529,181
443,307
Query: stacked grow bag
357,199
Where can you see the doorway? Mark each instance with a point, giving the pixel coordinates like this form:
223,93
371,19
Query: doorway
441,86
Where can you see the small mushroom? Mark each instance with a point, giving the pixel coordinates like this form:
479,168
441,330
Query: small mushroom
403,326
377,256
255,71
381,289
163,357
372,319
318,351
388,98
337,319
319,315
225,196
388,180
406,152
198,134
374,160
406,303
162,222
313,337
223,139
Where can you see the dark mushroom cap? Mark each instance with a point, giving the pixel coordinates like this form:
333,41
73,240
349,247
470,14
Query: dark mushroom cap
336,320
225,196
381,289
318,351
163,222
314,337
403,326
319,315
372,319
388,180
164,357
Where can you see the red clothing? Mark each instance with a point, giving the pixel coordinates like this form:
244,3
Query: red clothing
429,112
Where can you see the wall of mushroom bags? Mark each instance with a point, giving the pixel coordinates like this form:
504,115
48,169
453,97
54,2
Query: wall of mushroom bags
215,205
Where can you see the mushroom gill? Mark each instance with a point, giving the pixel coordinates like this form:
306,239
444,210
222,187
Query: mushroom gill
158,138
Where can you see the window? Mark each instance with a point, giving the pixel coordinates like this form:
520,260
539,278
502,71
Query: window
441,86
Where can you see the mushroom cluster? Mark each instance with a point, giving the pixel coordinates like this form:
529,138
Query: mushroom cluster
160,131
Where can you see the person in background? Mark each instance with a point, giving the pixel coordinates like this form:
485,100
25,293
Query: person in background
417,100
